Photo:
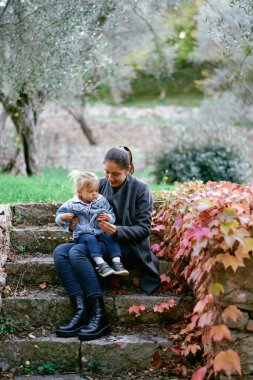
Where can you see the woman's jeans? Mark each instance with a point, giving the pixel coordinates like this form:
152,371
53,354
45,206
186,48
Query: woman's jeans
93,246
76,271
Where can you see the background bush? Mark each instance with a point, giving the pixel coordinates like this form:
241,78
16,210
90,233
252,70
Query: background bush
204,154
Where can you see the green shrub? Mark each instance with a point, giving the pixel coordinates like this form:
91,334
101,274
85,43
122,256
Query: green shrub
204,156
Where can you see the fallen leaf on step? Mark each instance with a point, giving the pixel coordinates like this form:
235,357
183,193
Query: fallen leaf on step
136,281
43,285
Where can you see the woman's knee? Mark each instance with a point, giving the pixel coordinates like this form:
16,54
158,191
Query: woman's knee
62,250
78,250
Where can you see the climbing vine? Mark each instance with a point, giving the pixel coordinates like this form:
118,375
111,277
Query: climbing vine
203,229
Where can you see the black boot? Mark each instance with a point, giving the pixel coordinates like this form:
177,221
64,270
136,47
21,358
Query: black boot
98,324
77,321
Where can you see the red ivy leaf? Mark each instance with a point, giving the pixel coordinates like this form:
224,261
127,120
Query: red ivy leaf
219,332
155,247
228,260
43,285
164,305
165,278
198,233
136,310
204,204
200,306
206,319
199,374
231,312
228,361
159,227
191,348
177,223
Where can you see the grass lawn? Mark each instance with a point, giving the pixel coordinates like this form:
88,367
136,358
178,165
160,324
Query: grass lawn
53,186
192,100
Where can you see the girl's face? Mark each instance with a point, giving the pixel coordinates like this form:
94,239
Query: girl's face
115,174
89,194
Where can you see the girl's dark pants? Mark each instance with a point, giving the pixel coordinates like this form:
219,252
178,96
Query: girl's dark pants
76,271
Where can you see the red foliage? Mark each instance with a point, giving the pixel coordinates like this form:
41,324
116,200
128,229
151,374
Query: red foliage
136,310
205,226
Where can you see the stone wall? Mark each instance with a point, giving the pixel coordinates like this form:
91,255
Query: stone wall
238,290
63,144
5,222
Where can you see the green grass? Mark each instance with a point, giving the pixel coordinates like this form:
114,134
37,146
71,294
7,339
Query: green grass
192,100
53,186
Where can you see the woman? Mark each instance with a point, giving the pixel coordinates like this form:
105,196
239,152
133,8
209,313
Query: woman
132,204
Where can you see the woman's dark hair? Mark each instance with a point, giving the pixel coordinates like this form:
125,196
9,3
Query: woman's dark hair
122,156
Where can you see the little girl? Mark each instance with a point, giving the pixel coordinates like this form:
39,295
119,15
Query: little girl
90,208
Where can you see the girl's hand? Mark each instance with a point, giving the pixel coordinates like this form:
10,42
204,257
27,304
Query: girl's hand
67,216
73,223
103,217
109,228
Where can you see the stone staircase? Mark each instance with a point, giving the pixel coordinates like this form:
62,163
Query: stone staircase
34,302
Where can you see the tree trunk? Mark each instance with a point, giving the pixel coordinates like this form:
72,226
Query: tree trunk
77,111
16,164
163,94
26,124
24,118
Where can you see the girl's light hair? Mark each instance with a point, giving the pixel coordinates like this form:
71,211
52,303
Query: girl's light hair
83,180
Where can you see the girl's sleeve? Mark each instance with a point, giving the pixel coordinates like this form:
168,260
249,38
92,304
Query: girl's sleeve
143,217
63,209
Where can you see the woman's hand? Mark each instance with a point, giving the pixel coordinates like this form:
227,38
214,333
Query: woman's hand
109,228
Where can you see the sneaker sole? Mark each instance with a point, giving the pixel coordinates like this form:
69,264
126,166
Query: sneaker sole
123,273
106,274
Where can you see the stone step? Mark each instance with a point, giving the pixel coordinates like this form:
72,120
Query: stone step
37,214
37,239
115,354
33,270
50,308
40,214
43,239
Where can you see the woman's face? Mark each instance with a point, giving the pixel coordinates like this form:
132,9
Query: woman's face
115,174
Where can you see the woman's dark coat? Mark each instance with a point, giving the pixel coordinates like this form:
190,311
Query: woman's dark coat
133,204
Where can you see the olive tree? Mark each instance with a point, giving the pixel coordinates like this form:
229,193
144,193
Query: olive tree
224,38
67,50
42,55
